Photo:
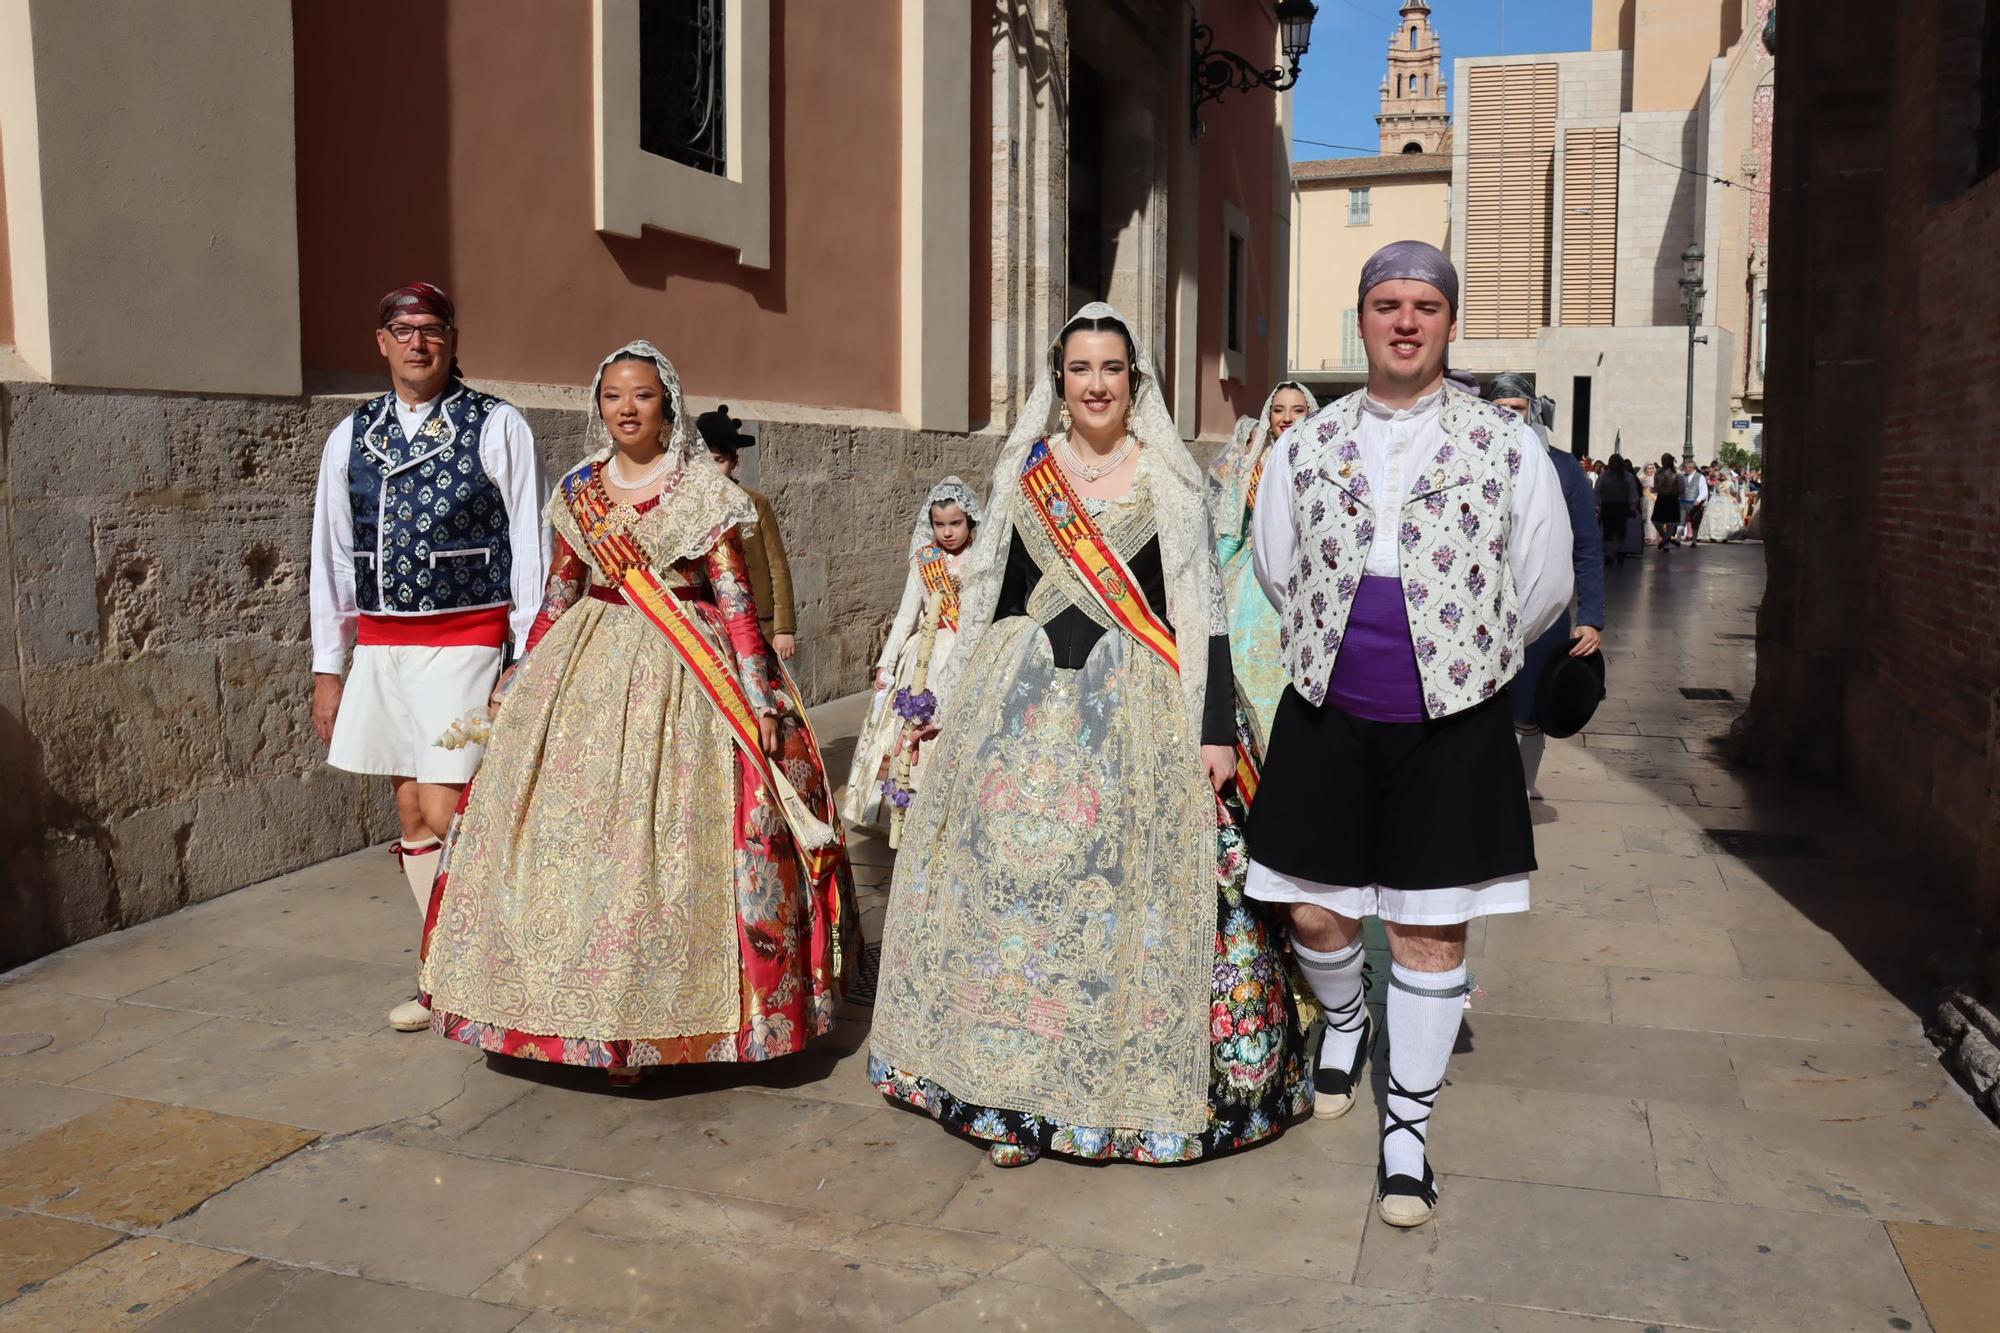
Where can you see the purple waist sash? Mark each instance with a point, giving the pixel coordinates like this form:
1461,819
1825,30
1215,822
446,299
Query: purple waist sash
1375,675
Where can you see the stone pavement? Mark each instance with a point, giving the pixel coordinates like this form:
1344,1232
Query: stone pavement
1692,1093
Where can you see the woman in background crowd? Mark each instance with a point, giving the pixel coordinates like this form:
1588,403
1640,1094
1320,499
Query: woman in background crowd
1232,495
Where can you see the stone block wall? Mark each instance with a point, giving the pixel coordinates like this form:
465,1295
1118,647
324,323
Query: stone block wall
155,671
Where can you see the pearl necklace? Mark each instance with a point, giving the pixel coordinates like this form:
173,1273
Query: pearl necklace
645,479
1089,472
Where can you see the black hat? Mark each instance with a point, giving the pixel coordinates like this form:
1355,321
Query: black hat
721,431
1568,693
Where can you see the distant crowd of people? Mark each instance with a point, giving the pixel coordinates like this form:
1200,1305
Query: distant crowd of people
1681,503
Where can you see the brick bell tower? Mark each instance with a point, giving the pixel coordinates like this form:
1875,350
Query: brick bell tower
1415,111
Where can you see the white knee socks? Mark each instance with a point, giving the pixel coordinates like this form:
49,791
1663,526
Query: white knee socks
1532,745
1337,983
1424,1011
420,863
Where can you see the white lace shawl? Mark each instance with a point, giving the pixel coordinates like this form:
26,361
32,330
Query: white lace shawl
1187,545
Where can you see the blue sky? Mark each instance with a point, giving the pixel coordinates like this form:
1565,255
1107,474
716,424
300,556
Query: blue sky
1339,87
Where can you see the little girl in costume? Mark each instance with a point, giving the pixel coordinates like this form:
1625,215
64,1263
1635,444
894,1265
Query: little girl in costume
887,759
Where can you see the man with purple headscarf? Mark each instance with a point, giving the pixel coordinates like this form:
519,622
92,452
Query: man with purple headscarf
427,553
1414,541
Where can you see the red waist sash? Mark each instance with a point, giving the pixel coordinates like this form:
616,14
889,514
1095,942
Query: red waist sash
483,628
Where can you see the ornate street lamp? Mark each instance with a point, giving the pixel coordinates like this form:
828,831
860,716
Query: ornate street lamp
1217,72
1691,293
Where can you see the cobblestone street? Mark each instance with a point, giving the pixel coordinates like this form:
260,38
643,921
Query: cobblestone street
1692,1091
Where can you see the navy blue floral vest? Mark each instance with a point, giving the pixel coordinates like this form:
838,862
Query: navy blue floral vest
430,527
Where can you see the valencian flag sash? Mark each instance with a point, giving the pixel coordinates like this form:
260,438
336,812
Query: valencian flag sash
934,566
620,557
1076,535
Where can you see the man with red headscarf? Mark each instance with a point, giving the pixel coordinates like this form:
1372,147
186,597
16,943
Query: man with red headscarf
427,554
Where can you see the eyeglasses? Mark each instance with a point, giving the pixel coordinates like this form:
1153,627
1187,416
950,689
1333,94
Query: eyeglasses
430,333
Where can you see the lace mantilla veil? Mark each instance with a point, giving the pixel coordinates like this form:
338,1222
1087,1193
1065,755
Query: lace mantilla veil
704,503
1229,478
1187,547
950,491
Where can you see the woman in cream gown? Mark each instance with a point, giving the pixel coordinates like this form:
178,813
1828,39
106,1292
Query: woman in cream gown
886,768
1232,494
1069,964
626,883
1722,518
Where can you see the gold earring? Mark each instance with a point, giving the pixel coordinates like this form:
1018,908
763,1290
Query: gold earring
1063,416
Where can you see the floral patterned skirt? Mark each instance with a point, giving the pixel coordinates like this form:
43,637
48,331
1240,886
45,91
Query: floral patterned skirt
560,927
1260,1081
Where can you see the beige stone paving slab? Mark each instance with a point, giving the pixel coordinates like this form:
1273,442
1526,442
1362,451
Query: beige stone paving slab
868,850
1956,1273
1551,1138
1592,941
289,989
28,1108
125,961
1833,1080
547,1321
34,1249
1804,1010
117,1289
1677,840
669,1258
1308,1207
795,1150
1605,899
1935,1163
1572,991
326,1081
139,1163
1626,869
1793,955
1600,1058
1562,787
395,1214
363,912
85,1033
258,1297
1721,908
1656,1260
1037,1291
1171,1297
1649,744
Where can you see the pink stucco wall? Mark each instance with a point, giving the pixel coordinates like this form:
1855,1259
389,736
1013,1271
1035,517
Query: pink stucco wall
452,141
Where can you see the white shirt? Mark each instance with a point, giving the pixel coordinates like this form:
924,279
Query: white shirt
1696,487
506,450
1397,446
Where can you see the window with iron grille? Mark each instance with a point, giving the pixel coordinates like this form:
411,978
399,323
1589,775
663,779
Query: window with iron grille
681,93
1357,207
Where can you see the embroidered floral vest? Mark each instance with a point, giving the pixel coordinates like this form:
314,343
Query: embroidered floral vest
430,527
1451,549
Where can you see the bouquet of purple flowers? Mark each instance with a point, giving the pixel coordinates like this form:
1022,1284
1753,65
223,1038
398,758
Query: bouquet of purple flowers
915,709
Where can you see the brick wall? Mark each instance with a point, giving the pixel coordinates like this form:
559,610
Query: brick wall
1879,651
